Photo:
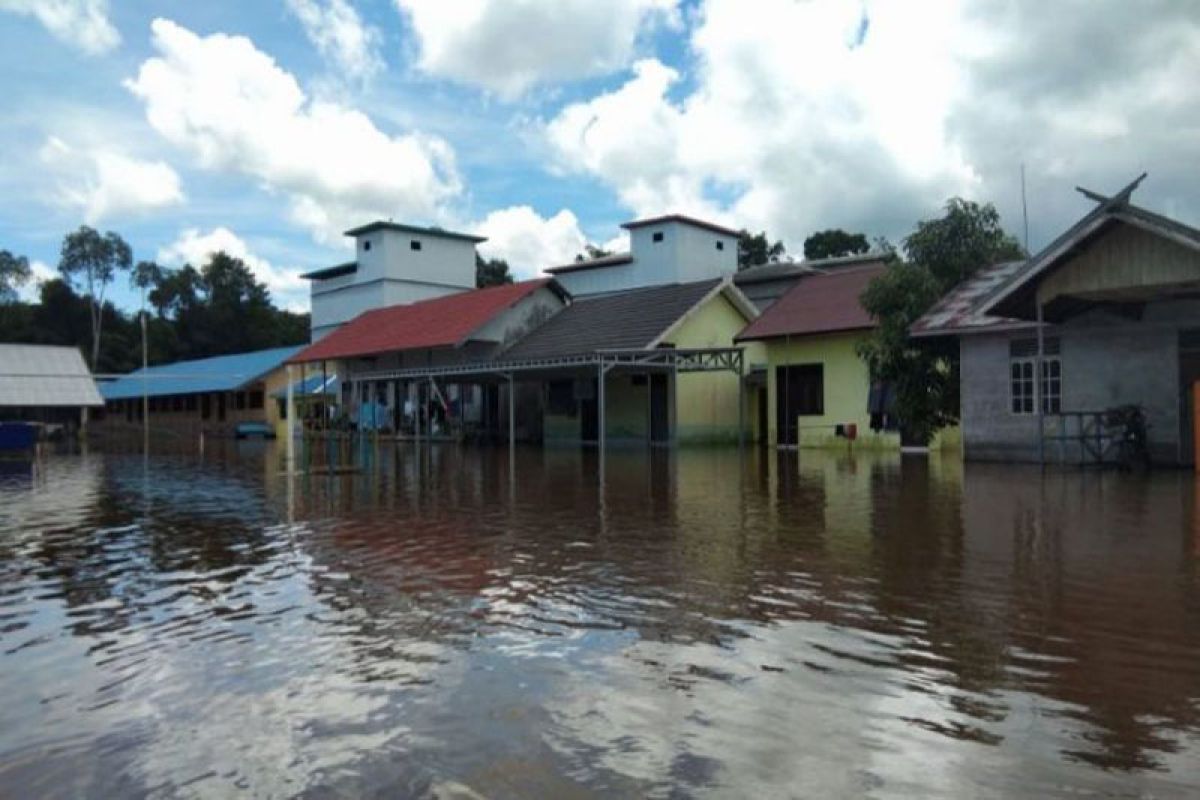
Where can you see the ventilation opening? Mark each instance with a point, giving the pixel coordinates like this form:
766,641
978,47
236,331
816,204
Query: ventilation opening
414,245
720,245
658,236
366,244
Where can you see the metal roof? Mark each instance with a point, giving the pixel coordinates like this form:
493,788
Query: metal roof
317,384
961,310
440,322
633,319
683,218
614,260
217,374
821,303
42,375
381,225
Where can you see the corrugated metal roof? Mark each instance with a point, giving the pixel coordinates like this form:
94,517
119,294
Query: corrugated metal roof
961,310
822,303
216,374
441,322
628,320
43,375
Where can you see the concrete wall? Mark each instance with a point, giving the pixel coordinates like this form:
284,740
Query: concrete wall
595,281
1106,361
847,385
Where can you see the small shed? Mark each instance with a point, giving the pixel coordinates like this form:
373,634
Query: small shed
45,383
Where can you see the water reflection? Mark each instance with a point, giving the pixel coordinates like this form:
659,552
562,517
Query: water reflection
449,621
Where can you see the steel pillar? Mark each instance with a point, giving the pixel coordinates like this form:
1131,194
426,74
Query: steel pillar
290,410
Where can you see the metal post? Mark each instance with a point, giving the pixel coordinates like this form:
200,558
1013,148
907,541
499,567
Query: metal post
145,391
741,389
1037,384
601,423
290,419
512,414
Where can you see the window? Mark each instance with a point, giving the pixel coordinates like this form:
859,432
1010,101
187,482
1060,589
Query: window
190,402
1022,368
177,403
366,244
720,245
239,401
256,399
414,245
561,399
658,236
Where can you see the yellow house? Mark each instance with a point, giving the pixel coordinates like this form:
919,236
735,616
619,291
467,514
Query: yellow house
819,391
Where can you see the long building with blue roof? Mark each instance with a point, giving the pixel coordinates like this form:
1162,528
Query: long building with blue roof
219,395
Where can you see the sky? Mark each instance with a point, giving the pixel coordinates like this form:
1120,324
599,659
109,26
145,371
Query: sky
268,128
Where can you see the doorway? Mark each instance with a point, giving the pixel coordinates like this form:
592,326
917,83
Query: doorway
799,391
660,410
1189,373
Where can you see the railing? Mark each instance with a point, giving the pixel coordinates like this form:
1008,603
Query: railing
1113,436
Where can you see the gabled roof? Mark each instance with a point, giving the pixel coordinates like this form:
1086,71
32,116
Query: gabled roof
216,374
960,311
613,260
382,225
821,303
633,319
683,218
441,322
43,375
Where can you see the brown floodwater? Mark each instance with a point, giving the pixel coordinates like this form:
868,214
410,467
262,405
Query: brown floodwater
448,622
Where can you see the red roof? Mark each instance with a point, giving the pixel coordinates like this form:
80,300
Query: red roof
440,322
823,303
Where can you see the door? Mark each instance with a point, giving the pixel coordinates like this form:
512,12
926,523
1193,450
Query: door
589,418
799,391
761,396
660,410
221,407
1189,373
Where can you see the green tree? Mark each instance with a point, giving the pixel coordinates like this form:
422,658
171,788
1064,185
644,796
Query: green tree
591,251
14,273
92,260
833,243
941,252
491,272
756,248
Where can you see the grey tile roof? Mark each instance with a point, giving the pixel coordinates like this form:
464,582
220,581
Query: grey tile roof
627,320
961,310
42,375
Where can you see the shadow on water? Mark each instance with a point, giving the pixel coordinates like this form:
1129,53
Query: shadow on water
450,620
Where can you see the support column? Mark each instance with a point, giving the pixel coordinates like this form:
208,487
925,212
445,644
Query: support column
741,384
601,422
290,419
512,413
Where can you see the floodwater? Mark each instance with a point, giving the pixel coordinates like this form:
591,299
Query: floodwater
447,623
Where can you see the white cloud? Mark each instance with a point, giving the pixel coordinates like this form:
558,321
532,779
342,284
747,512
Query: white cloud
801,116
106,184
230,105
528,241
508,47
39,273
193,247
340,36
81,23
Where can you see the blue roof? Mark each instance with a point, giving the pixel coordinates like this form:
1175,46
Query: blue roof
217,374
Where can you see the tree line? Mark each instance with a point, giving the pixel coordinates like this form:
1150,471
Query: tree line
216,308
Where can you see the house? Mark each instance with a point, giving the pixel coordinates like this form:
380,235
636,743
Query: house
209,395
394,264
652,365
1111,311
763,284
375,353
663,250
47,384
816,386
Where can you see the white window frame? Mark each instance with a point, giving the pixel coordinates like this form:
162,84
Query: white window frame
1023,394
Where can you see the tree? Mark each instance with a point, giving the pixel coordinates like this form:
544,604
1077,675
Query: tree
491,272
966,237
755,249
591,251
14,273
833,243
93,260
941,253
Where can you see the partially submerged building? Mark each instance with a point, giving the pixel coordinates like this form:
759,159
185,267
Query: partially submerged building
1110,310
46,384
393,264
209,395
817,390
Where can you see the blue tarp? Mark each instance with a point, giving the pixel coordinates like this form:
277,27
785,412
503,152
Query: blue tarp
313,384
217,374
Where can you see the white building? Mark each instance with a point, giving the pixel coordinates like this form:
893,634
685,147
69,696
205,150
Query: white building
663,250
393,264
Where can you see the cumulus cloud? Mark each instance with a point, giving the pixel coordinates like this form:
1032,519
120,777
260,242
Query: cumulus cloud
80,23
508,47
340,36
104,184
193,247
235,110
39,273
528,241
801,116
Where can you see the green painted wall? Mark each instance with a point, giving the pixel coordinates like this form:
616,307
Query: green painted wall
847,384
706,406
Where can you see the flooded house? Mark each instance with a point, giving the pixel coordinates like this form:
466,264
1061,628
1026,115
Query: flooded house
46,384
210,395
1106,316
816,390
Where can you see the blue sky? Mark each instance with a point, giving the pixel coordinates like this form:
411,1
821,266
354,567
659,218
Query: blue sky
266,128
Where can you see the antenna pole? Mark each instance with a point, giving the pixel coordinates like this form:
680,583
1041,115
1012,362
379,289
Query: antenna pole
1024,208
